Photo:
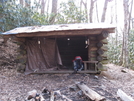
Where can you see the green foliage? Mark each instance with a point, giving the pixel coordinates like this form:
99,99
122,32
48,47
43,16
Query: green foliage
131,49
70,13
14,15
115,48
114,51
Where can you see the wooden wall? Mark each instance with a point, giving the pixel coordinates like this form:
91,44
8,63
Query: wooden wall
97,50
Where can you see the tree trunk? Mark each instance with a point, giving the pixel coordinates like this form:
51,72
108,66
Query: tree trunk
97,12
91,11
27,3
43,3
85,6
104,11
54,11
127,17
22,2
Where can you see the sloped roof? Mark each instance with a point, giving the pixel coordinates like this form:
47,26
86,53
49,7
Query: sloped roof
52,30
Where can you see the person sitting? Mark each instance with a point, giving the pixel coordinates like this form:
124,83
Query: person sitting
78,64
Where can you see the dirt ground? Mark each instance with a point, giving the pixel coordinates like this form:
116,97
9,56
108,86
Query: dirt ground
14,86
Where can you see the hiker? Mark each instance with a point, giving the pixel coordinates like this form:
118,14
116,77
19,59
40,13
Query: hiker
78,63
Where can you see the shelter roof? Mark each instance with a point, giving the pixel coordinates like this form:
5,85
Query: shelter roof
62,29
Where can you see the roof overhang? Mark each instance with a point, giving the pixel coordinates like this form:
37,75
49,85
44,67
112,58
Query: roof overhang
61,30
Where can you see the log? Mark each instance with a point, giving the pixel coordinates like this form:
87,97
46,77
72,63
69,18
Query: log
90,93
92,59
41,98
104,62
104,58
92,38
104,48
52,96
93,41
100,66
93,44
93,48
99,44
99,58
124,96
104,41
100,51
104,55
103,35
93,55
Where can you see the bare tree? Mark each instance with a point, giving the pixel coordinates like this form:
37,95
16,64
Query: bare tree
91,11
104,11
22,2
43,3
85,6
127,17
97,12
54,11
27,3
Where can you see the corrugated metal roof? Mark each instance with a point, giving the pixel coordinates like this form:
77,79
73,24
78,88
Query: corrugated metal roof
61,27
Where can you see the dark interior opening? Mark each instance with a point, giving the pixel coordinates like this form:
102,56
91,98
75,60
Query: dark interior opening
70,47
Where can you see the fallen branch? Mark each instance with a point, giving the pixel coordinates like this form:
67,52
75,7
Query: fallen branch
90,93
124,96
52,96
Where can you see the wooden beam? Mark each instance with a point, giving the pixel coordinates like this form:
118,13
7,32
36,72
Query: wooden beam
65,71
64,33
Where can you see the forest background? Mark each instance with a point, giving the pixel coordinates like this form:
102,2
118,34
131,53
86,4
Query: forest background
19,13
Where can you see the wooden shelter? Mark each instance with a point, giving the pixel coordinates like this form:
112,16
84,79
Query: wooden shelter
51,48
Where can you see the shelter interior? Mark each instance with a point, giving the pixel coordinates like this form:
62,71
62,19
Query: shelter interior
70,47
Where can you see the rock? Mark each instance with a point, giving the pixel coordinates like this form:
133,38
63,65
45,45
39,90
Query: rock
31,94
96,77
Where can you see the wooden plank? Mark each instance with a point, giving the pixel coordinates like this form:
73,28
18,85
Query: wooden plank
90,61
64,72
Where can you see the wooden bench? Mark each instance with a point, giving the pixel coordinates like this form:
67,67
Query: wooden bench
90,62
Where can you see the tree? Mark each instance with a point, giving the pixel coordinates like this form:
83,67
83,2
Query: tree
127,17
54,11
104,10
22,2
91,11
85,8
27,3
43,3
